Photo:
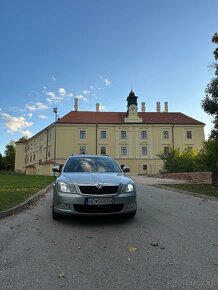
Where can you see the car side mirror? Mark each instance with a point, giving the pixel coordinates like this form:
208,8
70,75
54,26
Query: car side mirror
57,168
126,169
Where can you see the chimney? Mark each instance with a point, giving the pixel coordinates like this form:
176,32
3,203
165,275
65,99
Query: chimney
165,106
76,106
97,107
158,107
143,107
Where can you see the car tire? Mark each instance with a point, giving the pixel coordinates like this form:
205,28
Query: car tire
56,215
130,214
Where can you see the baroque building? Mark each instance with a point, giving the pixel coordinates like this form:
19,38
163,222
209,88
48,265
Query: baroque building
132,138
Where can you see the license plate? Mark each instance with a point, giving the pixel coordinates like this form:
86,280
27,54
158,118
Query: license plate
99,200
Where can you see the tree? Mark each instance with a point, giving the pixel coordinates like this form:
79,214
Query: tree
186,161
2,162
210,102
9,158
209,157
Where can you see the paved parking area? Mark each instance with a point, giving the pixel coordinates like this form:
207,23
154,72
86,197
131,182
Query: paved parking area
154,180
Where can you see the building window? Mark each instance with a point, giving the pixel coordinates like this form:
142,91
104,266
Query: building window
144,150
123,150
31,158
103,150
143,134
40,149
165,134
189,148
189,134
144,167
166,149
40,161
123,134
103,134
82,134
34,157
82,150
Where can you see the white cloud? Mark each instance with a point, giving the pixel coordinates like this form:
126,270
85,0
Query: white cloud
27,133
53,78
15,124
101,108
92,88
43,117
44,88
37,106
63,93
85,92
53,99
107,82
83,98
29,115
100,89
51,94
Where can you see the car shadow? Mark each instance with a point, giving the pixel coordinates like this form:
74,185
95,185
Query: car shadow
93,221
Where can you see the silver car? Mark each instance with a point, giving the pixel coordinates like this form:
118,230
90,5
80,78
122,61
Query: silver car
93,185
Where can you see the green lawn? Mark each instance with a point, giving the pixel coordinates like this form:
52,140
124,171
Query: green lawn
15,189
206,189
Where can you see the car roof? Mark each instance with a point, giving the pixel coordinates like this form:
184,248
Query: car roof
89,155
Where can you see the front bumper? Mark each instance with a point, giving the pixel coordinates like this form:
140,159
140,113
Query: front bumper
75,204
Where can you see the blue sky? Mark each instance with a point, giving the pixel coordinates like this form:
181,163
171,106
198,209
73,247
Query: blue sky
52,51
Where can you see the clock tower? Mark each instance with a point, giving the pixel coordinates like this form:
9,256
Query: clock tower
132,109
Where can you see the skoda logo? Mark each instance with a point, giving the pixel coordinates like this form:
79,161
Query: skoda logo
99,185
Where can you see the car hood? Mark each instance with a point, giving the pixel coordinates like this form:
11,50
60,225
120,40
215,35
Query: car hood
93,178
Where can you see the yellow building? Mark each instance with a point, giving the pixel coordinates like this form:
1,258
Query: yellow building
132,138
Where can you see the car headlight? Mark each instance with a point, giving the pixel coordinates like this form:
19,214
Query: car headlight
127,187
64,187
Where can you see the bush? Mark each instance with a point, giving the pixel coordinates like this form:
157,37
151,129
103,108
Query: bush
187,161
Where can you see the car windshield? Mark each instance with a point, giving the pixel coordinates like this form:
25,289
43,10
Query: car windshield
91,164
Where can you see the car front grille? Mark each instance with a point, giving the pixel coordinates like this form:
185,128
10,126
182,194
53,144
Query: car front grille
94,190
109,208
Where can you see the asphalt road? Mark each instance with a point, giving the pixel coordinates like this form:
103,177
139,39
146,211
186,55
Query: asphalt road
172,243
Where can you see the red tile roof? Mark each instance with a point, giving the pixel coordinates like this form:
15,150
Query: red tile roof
83,117
21,140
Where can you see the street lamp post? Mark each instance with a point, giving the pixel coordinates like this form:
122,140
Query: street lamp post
55,111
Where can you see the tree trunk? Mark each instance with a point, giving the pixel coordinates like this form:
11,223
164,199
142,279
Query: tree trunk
215,178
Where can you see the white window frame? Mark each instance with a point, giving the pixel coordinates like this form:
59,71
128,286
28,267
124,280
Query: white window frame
123,150
144,150
123,134
144,135
166,134
82,150
82,134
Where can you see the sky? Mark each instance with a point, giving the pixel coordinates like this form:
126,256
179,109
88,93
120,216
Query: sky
98,50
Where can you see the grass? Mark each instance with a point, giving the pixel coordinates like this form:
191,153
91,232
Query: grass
206,189
16,189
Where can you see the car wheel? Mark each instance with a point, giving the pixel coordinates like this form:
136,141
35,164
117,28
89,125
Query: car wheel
130,214
56,215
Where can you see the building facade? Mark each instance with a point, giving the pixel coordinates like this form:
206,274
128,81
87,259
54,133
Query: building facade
132,138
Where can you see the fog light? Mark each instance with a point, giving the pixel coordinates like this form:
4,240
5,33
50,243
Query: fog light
131,205
63,206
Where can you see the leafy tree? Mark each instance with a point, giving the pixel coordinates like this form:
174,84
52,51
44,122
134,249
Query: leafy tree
187,161
210,102
2,163
9,157
209,154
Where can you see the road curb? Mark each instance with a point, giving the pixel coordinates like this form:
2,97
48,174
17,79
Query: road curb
194,194
26,203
